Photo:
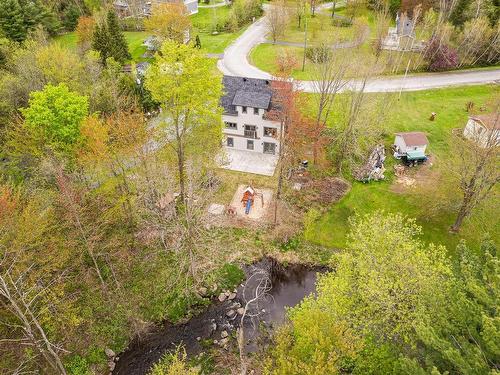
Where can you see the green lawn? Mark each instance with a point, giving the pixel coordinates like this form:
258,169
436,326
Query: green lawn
264,56
319,29
204,24
134,39
411,113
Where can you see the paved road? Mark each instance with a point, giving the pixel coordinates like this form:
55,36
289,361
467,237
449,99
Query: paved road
235,62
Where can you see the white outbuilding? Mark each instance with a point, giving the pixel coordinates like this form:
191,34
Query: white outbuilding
411,145
484,129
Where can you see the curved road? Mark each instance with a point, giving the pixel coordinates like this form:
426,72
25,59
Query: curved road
235,63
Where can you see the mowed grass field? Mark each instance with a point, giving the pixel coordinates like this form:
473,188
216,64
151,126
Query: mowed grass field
202,23
411,113
135,40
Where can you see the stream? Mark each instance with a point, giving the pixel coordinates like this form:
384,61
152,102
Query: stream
276,286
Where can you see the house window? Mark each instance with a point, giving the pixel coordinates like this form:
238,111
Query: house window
249,145
270,132
250,131
269,148
244,109
231,125
256,111
230,142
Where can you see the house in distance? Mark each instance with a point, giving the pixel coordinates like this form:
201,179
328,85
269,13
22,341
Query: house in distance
484,129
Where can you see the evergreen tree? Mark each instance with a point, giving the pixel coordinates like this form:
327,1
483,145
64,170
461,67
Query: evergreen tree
12,20
197,42
118,43
100,42
459,14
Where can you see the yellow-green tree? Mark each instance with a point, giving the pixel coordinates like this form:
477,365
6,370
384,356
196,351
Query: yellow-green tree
185,84
169,21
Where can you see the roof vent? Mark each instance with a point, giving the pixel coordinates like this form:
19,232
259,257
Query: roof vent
244,79
267,82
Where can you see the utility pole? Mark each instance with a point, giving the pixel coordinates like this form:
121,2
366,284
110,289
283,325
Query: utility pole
305,43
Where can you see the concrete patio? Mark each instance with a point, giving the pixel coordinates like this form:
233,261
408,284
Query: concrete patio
248,161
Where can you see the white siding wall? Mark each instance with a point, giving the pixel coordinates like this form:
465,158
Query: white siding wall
249,118
399,141
478,133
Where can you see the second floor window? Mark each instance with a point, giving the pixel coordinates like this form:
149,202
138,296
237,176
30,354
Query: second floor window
250,131
231,125
256,111
243,109
270,132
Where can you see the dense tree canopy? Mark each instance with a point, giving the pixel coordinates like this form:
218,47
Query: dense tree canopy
55,115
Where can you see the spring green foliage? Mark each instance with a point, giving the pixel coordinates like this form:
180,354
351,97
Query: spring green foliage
109,40
55,115
173,364
182,80
242,11
387,308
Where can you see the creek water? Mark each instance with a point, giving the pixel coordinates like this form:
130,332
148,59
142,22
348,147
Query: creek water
278,288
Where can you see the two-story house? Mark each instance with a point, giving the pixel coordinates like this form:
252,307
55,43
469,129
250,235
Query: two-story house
247,103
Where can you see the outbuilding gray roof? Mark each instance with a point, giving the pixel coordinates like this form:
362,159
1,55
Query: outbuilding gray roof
249,92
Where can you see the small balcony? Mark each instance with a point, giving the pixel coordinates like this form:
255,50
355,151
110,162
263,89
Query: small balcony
250,134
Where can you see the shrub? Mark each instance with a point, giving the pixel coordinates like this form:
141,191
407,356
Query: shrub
319,54
440,56
341,22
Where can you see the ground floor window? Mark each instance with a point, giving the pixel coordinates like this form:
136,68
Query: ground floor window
269,148
249,145
230,142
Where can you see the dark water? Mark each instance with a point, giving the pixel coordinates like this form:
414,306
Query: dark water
287,286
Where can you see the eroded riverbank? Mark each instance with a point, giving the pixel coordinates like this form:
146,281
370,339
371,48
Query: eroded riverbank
288,285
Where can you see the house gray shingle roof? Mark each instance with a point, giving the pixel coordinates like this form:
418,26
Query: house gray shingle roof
252,99
250,92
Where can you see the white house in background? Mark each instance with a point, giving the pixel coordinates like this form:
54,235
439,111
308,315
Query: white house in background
142,8
247,103
402,37
484,129
410,145
191,5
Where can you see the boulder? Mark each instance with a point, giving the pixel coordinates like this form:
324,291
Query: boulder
224,334
109,353
111,365
231,313
232,296
222,297
240,311
213,327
